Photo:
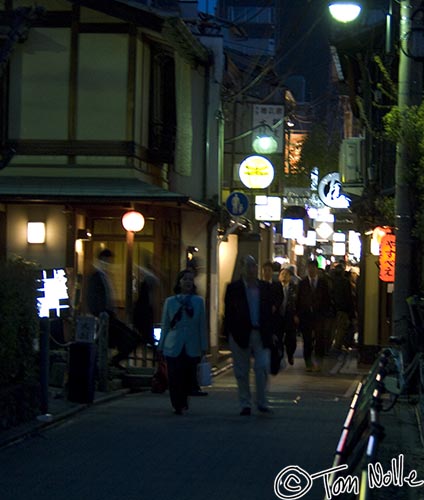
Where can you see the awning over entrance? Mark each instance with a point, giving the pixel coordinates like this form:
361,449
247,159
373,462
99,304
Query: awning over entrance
89,189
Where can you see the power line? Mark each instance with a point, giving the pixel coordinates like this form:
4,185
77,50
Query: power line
273,64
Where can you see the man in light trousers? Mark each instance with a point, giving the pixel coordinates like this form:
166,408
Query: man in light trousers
248,325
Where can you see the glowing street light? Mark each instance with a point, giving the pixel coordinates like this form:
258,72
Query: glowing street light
344,11
264,141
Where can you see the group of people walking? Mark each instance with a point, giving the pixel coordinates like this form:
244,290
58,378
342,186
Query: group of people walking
258,313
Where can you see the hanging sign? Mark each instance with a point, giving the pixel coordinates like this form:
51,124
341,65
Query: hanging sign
387,258
330,191
256,172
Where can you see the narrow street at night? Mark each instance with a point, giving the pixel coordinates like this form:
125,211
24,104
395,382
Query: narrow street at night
184,183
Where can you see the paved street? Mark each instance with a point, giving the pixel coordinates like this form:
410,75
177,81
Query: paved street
135,448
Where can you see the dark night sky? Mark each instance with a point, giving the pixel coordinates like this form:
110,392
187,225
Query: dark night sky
302,43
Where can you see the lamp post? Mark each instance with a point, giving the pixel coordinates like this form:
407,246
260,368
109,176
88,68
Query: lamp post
132,222
408,93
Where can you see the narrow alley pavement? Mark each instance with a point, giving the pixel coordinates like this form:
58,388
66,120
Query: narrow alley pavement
135,448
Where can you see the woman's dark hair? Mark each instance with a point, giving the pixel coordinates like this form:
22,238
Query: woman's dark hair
177,286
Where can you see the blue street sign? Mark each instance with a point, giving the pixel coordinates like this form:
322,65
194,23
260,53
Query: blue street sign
237,203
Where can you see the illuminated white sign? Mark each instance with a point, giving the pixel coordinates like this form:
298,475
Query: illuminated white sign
339,248
310,240
377,235
324,230
256,172
292,229
330,191
53,293
354,246
339,237
268,208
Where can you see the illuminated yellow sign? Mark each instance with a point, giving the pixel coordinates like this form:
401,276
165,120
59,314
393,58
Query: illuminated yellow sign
256,172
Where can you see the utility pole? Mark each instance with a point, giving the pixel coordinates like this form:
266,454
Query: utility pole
409,93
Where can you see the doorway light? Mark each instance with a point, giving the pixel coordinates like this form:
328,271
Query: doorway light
36,232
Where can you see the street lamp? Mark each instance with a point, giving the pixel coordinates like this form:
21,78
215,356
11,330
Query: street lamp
344,11
264,141
409,92
132,222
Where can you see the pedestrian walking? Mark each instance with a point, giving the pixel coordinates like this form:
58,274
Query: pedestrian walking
183,339
268,271
100,298
249,307
287,311
144,306
292,268
344,306
312,309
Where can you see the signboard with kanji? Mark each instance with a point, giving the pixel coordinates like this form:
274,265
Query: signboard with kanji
388,258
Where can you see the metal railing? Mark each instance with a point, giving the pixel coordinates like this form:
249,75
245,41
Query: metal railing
362,430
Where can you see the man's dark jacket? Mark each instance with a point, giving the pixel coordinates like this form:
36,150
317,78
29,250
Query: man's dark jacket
98,295
312,304
237,314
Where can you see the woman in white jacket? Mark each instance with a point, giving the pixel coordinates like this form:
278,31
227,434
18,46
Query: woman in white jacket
183,339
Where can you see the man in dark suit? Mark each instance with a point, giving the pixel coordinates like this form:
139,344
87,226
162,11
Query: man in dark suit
100,299
249,308
287,311
312,309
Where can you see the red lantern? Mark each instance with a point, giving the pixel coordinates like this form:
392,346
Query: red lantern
388,258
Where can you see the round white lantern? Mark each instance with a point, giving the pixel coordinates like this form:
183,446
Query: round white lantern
133,221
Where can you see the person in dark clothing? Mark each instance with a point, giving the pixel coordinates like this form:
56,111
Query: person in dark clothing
143,314
267,271
287,310
312,308
344,305
249,309
100,299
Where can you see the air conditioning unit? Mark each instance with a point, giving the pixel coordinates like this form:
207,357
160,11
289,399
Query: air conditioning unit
351,161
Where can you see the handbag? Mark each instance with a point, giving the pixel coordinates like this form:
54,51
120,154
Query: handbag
160,377
204,373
